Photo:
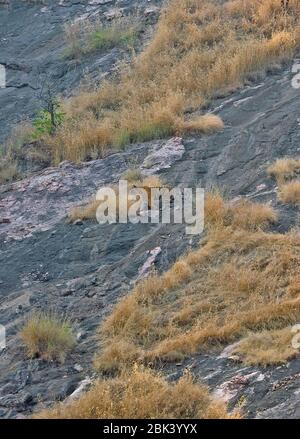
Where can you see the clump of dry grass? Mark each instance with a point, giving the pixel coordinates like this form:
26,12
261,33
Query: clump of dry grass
242,214
47,336
267,347
142,394
251,216
199,48
85,212
284,169
207,124
290,192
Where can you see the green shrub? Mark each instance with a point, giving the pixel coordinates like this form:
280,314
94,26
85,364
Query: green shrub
109,37
46,122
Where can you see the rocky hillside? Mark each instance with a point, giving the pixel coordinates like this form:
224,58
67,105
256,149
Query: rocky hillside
82,269
33,50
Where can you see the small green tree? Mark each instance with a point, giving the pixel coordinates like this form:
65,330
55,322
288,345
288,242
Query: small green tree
50,117
46,122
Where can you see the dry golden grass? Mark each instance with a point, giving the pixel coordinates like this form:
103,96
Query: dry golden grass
207,124
142,394
47,336
241,214
284,169
267,348
240,279
248,215
85,212
199,49
290,192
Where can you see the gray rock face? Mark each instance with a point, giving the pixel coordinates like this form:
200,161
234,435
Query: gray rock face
82,269
163,156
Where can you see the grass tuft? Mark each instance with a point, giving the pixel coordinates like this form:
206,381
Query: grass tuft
85,212
242,214
284,169
290,192
267,348
47,336
109,37
142,394
207,124
86,36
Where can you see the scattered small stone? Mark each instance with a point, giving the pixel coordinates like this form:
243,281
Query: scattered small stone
67,292
113,14
235,358
279,384
39,276
80,335
261,187
78,222
230,388
94,280
90,294
151,11
144,270
19,309
78,368
260,377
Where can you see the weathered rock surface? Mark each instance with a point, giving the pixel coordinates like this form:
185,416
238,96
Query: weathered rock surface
82,269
